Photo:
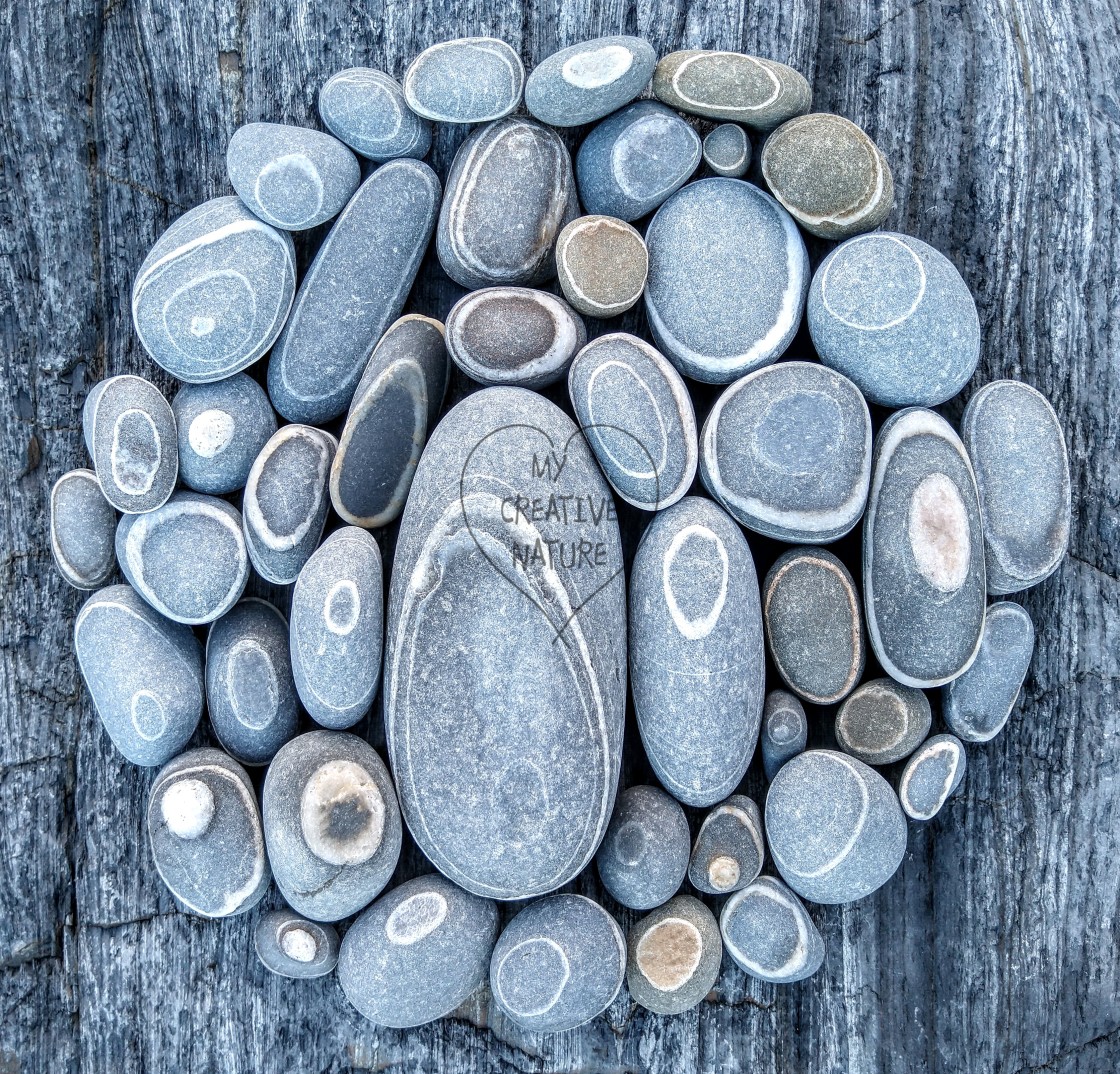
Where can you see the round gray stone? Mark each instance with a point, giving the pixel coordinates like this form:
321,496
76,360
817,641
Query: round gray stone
366,109
466,80
931,776
727,151
785,730
83,528
769,934
883,721
291,946
601,263
729,849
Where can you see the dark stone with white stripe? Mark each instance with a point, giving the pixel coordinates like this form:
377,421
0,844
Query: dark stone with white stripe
785,730
883,721
83,528
466,80
932,776
292,946
366,109
769,934
729,849
727,151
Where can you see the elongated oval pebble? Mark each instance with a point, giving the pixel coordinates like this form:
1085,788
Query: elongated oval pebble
727,151
931,776
366,109
729,849
602,265
785,730
674,955
883,721
769,934
466,80
292,946
83,527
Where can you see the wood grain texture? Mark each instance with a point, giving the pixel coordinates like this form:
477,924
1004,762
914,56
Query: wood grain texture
995,948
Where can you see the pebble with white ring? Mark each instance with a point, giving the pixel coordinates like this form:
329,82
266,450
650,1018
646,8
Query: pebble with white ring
727,151
602,264
292,946
729,849
83,527
366,109
769,934
466,80
932,776
883,721
785,730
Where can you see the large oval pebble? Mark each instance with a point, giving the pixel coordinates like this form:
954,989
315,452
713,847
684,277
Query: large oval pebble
366,109
769,934
466,80
291,946
883,721
673,956
932,776
83,528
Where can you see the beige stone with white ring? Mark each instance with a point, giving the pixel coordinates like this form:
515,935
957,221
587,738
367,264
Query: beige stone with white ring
602,265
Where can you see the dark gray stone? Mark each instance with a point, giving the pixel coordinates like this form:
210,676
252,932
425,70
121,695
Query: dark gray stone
785,730
883,721
729,848
602,264
769,934
292,946
467,80
366,109
727,151
83,527
931,776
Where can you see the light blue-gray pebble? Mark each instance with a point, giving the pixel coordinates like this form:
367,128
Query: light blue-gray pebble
729,849
727,151
931,776
83,529
785,730
366,109
466,80
290,945
769,934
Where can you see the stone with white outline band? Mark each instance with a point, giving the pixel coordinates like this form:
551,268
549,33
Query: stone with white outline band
729,849
769,934
727,151
292,946
602,264
83,527
465,80
932,776
366,109
883,721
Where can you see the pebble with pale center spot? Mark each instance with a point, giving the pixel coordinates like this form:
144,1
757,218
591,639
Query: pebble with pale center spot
366,109
931,776
769,934
729,849
727,151
466,80
674,955
784,733
883,721
83,527
602,264
292,946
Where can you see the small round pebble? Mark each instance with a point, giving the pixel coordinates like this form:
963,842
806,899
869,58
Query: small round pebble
366,109
883,721
729,848
785,730
931,776
83,528
466,80
727,151
292,946
602,264
769,934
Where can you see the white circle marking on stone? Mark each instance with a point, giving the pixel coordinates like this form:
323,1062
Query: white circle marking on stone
928,754
290,162
846,252
699,628
800,951
187,807
299,945
418,916
738,108
247,651
558,991
147,714
937,525
598,67
338,784
663,450
127,475
211,432
345,623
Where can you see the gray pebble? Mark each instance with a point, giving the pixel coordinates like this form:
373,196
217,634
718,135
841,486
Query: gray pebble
727,151
466,80
602,264
931,776
366,109
769,934
883,721
785,730
894,315
292,946
88,408
83,526
729,848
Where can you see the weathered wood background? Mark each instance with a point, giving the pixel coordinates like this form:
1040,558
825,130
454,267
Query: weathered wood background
994,949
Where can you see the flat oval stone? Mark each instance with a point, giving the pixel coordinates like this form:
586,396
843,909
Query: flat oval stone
727,151
467,80
602,264
1018,454
222,428
250,693
883,721
331,824
418,952
769,934
514,335
977,704
83,527
923,552
636,414
354,289
894,315
728,273
696,651
931,776
213,293
366,109
559,963
187,559
835,828
291,946
396,404
143,673
509,193
630,163
505,648
286,502
729,848
205,832
785,730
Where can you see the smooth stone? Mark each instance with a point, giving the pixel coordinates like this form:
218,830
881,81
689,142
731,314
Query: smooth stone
631,162
834,826
88,408
331,824
488,577
637,416
418,952
205,831
883,721
213,293
601,263
514,335
931,776
222,427
923,552
784,733
509,193
769,934
143,673
674,955
728,274
894,315
355,288
187,559
286,501
83,527
814,628
696,651
396,405
978,703
250,692
727,151
466,80
729,848
559,963
366,109
292,946
830,176
1018,454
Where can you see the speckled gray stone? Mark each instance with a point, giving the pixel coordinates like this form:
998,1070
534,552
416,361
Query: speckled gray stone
366,109
1018,454
250,693
931,776
894,315
292,946
83,528
697,658
331,824
286,501
785,730
729,848
355,288
834,826
88,408
205,831
601,263
514,335
143,673
418,952
637,416
509,193
559,963
727,151
883,721
923,552
978,703
213,293
466,80
769,934
631,162
728,273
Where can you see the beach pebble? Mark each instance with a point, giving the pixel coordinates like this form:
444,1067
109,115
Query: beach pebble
466,80
787,450
354,289
143,673
213,293
729,848
292,946
696,651
923,552
366,109
205,832
728,273
892,314
1018,454
88,408
769,934
559,963
727,151
83,528
785,730
418,952
931,776
331,824
883,721
601,263
636,414
834,826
